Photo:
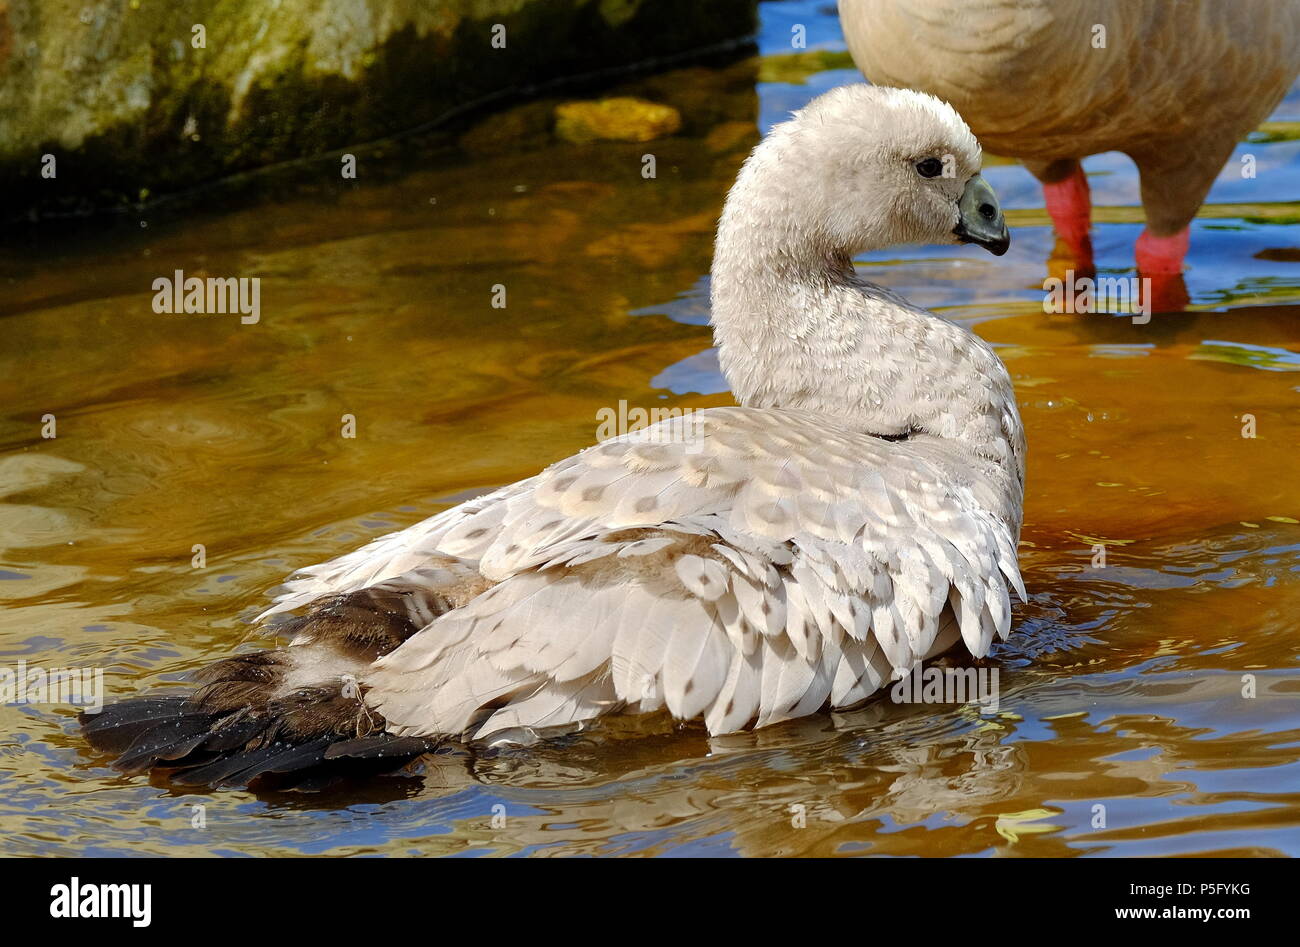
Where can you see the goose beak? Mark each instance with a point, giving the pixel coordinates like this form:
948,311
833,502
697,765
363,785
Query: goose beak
981,218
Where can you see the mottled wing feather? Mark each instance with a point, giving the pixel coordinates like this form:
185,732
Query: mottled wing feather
741,564
397,553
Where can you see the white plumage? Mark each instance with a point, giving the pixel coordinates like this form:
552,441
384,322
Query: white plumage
858,513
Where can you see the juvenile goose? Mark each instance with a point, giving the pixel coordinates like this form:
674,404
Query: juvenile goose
856,514
1174,86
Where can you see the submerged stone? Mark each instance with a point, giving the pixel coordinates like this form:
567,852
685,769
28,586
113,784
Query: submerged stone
618,119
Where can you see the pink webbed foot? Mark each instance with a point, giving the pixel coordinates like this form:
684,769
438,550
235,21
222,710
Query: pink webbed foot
1161,260
1070,206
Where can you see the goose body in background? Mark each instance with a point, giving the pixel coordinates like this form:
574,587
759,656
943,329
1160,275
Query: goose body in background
1175,87
857,513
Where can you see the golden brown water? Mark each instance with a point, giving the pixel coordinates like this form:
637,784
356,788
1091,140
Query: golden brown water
1121,688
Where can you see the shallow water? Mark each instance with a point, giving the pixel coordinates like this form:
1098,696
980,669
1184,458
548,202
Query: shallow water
1122,687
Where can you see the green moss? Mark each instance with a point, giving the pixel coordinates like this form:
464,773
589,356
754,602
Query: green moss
795,68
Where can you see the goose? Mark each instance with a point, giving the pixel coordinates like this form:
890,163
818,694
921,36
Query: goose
1173,86
857,512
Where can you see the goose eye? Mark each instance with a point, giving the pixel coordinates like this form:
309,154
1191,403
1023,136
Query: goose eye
929,168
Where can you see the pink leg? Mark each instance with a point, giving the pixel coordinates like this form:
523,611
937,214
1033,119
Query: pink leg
1161,259
1162,256
1070,208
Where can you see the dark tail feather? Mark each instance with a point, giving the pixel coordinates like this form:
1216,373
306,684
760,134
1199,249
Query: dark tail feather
245,726
117,726
249,747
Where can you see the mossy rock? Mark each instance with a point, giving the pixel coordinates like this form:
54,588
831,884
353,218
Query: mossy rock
131,97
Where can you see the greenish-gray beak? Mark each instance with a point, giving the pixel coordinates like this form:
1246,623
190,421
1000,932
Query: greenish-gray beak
981,218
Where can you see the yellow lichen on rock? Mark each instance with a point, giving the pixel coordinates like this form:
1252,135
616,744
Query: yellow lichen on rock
616,119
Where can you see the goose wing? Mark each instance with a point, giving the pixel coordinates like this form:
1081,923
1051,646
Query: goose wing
742,564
